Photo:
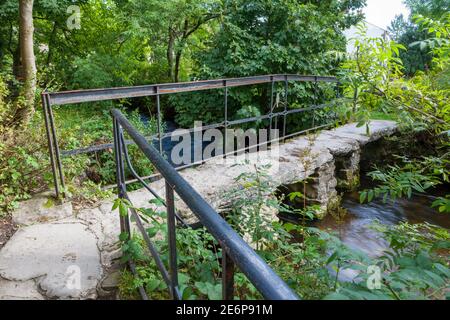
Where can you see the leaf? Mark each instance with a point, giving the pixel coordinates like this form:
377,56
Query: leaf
152,284
124,236
116,204
362,196
188,293
295,195
123,209
332,257
442,269
370,195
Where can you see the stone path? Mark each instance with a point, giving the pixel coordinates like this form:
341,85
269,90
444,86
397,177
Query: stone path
61,254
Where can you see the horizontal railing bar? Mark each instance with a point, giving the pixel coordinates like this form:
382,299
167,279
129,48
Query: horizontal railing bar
90,95
157,176
181,132
268,283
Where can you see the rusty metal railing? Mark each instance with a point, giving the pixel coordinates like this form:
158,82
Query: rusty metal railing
82,96
235,251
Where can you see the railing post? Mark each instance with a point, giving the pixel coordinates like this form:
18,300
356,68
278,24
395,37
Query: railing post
120,175
55,143
271,102
286,87
225,149
50,144
158,107
338,95
315,101
227,276
171,232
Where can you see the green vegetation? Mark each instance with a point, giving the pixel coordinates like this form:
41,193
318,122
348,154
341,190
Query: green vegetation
121,43
135,42
414,267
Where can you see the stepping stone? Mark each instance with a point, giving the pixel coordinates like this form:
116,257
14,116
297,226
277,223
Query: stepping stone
40,209
19,290
62,257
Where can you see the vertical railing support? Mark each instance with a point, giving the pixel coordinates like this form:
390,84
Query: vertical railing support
120,174
225,144
171,231
55,145
158,107
227,276
272,84
338,95
315,102
286,88
50,143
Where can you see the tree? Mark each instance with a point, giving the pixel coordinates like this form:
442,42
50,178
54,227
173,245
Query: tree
267,37
173,23
409,33
280,36
434,9
406,32
28,63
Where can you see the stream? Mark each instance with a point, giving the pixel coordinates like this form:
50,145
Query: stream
355,231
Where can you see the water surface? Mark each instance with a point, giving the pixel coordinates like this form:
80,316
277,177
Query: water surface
355,229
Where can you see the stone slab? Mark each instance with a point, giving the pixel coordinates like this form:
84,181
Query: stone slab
41,208
62,257
19,290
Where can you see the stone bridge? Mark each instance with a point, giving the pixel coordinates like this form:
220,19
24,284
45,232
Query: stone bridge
57,245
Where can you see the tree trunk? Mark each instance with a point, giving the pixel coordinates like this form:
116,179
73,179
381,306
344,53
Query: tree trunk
171,54
177,66
28,63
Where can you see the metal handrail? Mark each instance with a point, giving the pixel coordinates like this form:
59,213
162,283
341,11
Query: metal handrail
235,249
49,99
80,96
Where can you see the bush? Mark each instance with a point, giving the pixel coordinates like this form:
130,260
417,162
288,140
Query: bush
23,159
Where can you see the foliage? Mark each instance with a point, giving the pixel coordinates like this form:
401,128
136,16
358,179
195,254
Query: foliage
269,37
198,257
412,268
396,181
443,204
406,33
374,82
251,204
430,8
22,161
412,175
439,44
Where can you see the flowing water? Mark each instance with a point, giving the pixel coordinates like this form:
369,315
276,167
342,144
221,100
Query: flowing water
355,229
